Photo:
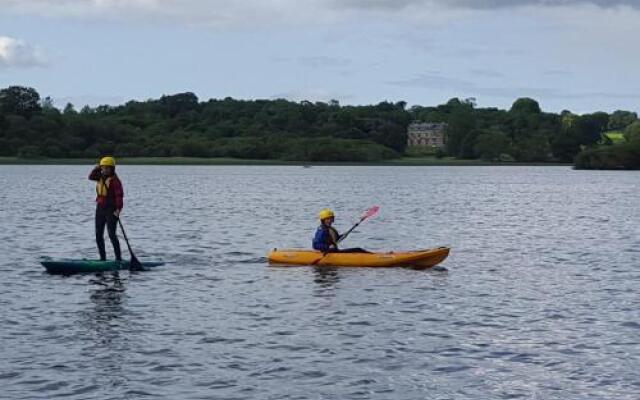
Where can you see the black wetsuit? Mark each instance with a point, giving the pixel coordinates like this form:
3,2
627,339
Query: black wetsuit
106,205
105,217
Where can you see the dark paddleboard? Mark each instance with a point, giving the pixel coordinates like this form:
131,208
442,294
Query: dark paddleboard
68,266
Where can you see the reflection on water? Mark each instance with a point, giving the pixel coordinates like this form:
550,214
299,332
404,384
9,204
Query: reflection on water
537,300
107,315
106,324
327,279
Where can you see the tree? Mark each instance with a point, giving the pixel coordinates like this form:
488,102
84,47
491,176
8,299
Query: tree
47,103
567,119
620,119
467,146
460,122
525,105
69,109
565,146
599,120
470,101
20,100
589,127
179,103
29,151
632,133
532,148
491,145
178,124
617,156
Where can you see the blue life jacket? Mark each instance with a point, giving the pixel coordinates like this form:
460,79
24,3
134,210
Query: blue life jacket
325,237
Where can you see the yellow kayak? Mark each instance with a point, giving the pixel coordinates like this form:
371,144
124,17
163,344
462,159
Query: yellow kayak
417,259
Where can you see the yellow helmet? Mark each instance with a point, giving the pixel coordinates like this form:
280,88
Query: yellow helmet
326,213
107,162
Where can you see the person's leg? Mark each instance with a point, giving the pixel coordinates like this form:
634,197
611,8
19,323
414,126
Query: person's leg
100,222
112,226
354,250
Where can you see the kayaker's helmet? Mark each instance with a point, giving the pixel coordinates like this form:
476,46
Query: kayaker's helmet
107,161
326,213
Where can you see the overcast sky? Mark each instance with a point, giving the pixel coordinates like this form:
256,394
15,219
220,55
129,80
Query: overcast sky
581,55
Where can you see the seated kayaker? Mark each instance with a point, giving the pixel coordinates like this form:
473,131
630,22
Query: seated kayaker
327,237
109,203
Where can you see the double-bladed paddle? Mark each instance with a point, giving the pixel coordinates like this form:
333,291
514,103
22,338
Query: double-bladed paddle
134,265
369,213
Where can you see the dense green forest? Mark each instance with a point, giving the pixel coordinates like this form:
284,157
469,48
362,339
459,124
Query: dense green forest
623,155
181,125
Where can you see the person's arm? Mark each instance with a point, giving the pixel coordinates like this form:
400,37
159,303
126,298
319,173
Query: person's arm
333,244
95,174
118,191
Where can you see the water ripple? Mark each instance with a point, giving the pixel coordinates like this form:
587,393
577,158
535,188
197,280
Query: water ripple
537,301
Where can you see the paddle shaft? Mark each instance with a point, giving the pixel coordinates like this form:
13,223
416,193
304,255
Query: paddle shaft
344,236
135,264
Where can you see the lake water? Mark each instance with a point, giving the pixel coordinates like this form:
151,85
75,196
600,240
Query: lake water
540,298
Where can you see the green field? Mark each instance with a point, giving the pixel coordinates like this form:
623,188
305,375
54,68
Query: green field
405,161
615,136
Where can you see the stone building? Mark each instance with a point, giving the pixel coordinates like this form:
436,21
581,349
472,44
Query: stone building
426,134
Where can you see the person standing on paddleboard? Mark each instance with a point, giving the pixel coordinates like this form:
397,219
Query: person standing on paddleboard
327,237
109,203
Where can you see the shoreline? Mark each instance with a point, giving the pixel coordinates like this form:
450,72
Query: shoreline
401,162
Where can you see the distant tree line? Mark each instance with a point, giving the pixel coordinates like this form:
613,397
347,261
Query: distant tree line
622,155
524,133
181,125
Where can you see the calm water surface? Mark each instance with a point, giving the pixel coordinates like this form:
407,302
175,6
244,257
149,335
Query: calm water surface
539,299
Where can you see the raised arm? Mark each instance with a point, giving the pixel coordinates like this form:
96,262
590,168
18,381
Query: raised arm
95,174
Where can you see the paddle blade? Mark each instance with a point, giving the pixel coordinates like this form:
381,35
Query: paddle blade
135,264
371,212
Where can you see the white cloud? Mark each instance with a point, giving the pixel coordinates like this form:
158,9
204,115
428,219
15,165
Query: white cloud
19,54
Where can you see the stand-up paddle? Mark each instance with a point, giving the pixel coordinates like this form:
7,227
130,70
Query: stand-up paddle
369,213
135,265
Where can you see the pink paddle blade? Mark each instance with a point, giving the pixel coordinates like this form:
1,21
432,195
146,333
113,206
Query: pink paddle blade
371,212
